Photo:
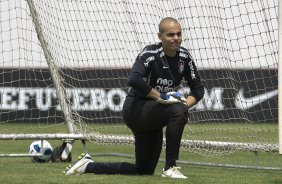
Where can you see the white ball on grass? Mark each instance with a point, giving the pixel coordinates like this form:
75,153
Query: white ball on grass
36,147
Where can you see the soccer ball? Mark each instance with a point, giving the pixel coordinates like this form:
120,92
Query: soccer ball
38,147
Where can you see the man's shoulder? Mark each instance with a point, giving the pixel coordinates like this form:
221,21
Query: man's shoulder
184,53
151,49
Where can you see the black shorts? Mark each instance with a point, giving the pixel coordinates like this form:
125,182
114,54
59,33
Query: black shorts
147,114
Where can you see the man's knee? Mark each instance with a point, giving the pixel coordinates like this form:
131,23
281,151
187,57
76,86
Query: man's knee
180,111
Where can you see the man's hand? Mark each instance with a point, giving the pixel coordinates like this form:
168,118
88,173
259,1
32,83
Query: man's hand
171,98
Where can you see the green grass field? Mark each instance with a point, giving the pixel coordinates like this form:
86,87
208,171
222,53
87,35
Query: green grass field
22,170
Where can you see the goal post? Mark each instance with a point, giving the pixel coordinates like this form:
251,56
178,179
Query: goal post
64,67
54,70
280,76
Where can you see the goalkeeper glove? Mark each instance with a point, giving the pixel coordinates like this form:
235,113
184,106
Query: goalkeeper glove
171,98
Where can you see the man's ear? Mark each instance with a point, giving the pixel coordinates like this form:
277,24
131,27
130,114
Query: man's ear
160,36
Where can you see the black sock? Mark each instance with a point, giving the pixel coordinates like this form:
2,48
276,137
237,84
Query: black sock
167,167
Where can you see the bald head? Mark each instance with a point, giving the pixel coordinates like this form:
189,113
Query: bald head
166,21
170,35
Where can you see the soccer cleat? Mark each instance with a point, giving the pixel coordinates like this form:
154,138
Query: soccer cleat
173,172
80,166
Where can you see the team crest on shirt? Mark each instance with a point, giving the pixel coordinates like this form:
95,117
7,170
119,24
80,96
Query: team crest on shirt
180,66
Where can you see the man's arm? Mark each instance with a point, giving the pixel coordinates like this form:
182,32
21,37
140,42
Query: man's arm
136,78
194,82
191,101
154,94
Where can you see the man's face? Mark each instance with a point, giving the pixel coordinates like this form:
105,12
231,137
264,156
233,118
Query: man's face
171,37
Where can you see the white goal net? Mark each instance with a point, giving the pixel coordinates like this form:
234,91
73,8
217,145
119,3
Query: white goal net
64,67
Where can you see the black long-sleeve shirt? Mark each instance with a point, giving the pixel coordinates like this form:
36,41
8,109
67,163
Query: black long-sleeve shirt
153,69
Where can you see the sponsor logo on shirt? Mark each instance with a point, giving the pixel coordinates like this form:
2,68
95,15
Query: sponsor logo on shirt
164,85
148,60
193,75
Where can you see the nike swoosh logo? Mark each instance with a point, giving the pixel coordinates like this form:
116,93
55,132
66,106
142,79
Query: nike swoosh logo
246,103
165,67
